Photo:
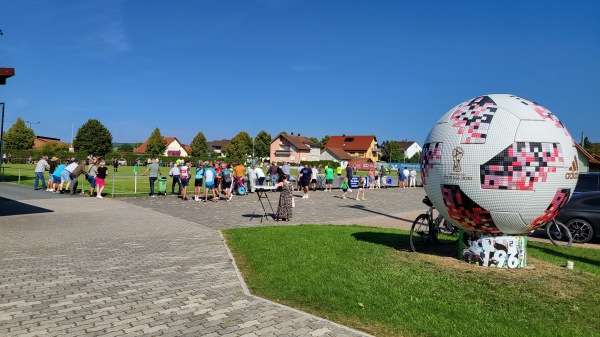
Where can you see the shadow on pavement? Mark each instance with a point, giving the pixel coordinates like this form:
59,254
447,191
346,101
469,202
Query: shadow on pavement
13,207
363,208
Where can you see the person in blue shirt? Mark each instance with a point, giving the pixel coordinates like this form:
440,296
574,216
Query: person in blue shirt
209,183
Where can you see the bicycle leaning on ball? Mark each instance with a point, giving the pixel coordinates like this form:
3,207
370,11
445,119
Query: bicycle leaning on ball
427,230
559,234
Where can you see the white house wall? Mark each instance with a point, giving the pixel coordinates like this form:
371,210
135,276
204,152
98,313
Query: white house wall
414,148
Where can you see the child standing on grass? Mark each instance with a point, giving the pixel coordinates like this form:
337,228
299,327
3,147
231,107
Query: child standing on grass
344,187
361,188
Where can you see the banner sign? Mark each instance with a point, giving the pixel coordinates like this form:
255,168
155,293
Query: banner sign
354,182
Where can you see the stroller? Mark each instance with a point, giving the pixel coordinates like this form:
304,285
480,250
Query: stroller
238,186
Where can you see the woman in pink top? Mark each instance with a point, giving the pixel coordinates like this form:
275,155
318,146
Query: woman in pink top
371,178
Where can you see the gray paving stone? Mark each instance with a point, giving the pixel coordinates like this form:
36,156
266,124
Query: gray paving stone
155,266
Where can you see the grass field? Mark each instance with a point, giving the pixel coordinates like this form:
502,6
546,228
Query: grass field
366,278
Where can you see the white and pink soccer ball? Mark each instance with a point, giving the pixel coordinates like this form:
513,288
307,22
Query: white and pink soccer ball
499,164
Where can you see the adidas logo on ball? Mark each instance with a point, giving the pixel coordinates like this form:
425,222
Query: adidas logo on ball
573,170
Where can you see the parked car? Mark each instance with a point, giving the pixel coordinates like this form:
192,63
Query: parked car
587,182
582,216
122,162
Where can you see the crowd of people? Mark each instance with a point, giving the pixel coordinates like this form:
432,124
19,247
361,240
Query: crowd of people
63,176
214,180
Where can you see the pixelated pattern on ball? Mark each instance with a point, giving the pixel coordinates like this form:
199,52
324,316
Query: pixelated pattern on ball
473,119
431,154
544,113
520,166
558,202
466,212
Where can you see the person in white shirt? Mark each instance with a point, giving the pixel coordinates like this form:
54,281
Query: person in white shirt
407,175
413,177
260,175
251,174
185,180
313,177
174,172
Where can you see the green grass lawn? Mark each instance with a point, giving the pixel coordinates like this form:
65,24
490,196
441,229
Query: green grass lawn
366,278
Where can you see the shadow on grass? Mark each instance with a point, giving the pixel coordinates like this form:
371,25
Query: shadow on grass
13,207
402,242
12,178
565,255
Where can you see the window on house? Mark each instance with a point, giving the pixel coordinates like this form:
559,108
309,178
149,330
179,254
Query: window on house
349,139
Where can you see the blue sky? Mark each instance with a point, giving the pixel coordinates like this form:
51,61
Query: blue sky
389,68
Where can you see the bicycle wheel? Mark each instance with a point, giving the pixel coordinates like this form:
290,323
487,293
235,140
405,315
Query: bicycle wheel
559,234
447,233
419,233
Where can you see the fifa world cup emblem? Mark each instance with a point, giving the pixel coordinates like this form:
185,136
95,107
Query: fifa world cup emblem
457,154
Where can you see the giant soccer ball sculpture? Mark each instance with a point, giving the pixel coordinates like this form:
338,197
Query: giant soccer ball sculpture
499,164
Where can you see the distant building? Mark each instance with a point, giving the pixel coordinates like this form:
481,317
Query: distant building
362,164
40,141
336,155
217,146
174,148
293,149
357,146
410,148
586,162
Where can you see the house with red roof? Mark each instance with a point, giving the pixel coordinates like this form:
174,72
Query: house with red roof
357,146
174,148
337,155
586,162
293,149
40,141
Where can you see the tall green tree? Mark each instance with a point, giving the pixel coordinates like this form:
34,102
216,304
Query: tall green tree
93,138
199,146
156,144
262,144
586,143
126,148
239,147
19,137
324,140
315,140
415,158
391,151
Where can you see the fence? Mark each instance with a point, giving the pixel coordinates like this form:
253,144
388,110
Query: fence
139,185
115,184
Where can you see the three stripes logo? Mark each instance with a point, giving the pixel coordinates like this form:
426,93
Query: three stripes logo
573,172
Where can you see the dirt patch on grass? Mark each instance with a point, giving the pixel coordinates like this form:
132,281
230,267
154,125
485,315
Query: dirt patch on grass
551,277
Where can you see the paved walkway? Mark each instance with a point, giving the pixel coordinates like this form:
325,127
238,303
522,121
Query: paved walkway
75,265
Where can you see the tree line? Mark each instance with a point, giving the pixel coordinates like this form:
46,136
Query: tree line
93,138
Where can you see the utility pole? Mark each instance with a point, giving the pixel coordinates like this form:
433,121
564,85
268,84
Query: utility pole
4,74
30,123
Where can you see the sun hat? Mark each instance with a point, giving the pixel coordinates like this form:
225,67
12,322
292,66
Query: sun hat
54,159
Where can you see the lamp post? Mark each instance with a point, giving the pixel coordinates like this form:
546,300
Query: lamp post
2,141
